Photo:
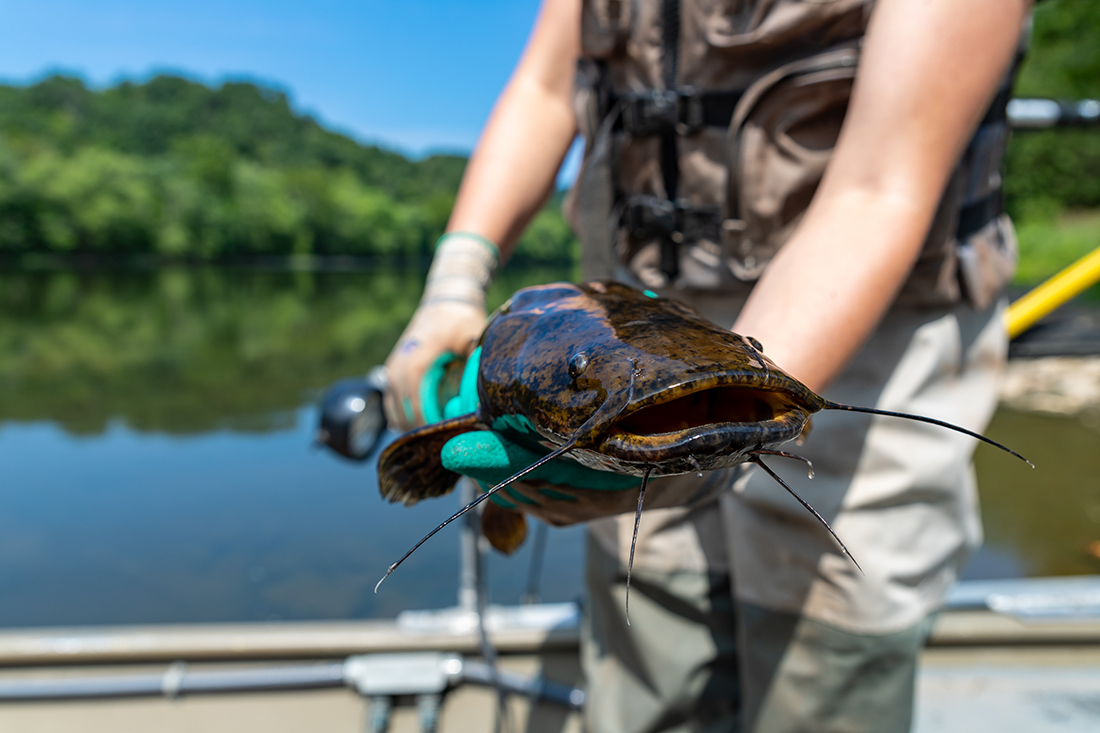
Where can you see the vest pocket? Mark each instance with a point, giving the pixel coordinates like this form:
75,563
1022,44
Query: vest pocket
780,139
605,26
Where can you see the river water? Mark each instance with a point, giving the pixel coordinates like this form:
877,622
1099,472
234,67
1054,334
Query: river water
157,458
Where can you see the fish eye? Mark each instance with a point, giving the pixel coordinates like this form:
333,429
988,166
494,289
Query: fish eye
577,364
754,343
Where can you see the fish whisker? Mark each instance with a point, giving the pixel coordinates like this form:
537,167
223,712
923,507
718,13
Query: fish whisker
930,420
785,454
752,347
569,445
809,508
695,464
516,477
634,539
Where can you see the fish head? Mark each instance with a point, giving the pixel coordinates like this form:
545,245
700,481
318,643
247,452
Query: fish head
641,383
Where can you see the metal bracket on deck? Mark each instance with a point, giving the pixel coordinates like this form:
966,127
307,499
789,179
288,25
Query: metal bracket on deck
402,674
428,675
433,673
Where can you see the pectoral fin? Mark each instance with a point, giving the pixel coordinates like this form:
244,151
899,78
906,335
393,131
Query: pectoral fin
506,529
410,469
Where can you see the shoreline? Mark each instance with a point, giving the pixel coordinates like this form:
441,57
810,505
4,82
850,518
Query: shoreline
1055,385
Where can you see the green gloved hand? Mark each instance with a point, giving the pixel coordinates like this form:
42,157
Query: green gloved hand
490,457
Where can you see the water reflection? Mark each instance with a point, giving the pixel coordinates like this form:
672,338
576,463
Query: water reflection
138,527
188,351
1044,518
155,432
155,437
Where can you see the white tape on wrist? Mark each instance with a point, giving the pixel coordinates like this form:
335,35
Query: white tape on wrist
461,270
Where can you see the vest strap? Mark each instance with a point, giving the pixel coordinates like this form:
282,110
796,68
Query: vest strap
651,217
684,111
976,215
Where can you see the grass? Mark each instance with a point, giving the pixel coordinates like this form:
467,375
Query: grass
1051,243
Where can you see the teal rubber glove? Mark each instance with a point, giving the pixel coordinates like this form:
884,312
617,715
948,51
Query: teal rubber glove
490,457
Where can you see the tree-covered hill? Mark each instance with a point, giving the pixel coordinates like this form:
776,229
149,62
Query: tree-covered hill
173,167
1052,177
1058,168
169,114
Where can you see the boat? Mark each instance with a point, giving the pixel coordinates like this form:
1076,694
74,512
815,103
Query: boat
1006,655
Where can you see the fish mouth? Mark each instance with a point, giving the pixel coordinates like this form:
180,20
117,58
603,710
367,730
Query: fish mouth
703,426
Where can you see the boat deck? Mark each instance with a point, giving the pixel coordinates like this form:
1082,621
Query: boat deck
982,670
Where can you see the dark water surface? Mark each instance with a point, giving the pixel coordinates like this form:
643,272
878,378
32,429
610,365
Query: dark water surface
156,461
1044,521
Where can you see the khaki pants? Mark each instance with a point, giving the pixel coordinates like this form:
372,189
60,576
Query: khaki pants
745,615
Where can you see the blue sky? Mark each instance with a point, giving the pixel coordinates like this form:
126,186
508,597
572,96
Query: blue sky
417,75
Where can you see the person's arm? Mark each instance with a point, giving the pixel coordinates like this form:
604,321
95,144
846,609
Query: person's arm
928,71
507,180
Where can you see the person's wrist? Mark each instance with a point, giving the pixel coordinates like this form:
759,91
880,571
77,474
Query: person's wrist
461,270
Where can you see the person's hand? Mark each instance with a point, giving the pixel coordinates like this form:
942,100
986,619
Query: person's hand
449,319
489,457
435,329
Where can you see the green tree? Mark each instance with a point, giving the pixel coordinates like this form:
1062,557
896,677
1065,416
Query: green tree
174,168
1053,169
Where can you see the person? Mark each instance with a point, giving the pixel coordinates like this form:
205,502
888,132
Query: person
822,176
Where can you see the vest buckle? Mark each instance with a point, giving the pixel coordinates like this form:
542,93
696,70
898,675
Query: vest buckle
651,217
650,113
690,117
653,113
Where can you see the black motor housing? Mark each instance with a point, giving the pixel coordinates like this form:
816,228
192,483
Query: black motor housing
352,417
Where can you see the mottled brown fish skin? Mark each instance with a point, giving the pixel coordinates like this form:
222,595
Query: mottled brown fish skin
506,529
674,353
617,380
557,355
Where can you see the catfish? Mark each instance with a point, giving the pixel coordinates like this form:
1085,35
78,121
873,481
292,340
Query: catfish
618,380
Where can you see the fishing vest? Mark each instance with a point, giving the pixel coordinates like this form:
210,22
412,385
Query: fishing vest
708,125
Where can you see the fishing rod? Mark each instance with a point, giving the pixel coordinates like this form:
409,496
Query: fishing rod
1035,114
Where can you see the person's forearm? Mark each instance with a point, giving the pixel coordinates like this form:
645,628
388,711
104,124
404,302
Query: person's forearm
827,289
506,180
926,76
514,167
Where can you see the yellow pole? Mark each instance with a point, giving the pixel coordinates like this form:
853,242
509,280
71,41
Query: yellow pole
1023,313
